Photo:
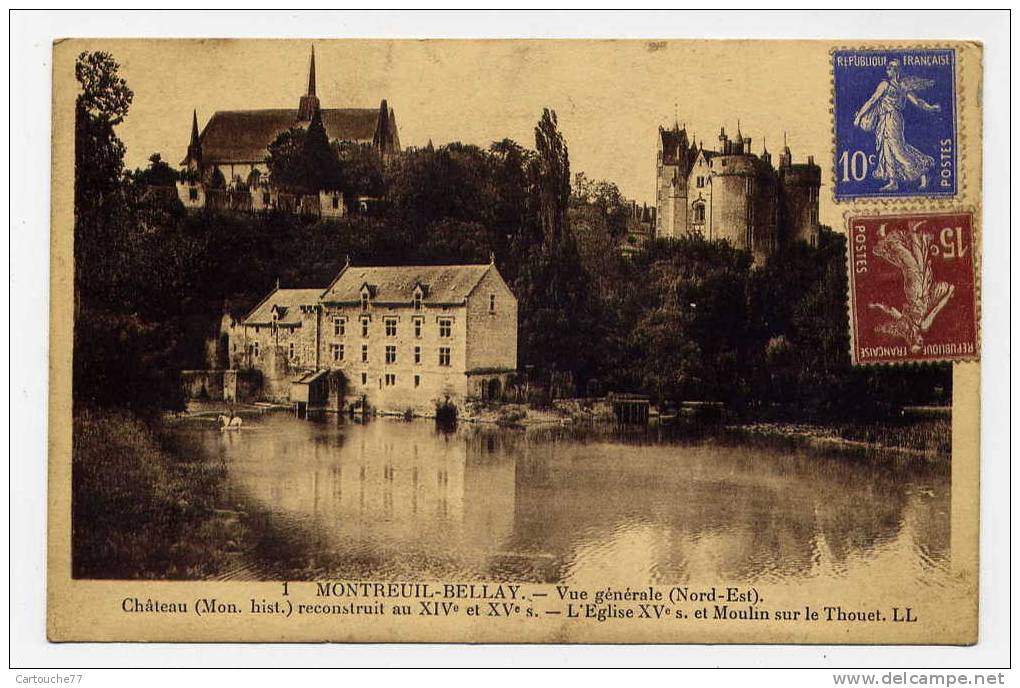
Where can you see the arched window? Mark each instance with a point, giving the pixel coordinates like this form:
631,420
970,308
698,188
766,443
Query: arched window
699,213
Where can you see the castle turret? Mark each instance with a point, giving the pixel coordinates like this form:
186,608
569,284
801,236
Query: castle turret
800,190
672,168
309,102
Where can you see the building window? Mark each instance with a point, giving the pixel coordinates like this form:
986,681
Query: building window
391,379
417,301
192,194
336,202
339,327
417,328
391,327
492,303
338,352
257,329
364,300
290,351
255,349
445,327
364,326
417,380
364,381
417,355
265,199
701,182
444,356
364,353
699,213
391,355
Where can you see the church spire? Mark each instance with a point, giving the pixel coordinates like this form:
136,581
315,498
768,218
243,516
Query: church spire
311,74
381,138
309,102
194,127
194,159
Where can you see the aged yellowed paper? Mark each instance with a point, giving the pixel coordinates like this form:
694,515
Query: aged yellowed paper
515,341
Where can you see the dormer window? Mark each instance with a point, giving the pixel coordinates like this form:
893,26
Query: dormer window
418,296
364,300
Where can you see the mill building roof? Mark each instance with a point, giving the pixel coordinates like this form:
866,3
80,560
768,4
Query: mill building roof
285,304
396,284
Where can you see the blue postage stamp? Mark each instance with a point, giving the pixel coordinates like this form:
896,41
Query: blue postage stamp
895,119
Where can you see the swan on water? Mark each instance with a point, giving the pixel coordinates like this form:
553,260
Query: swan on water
230,422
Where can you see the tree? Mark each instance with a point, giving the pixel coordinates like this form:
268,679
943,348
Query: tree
551,177
120,358
362,169
560,325
605,197
686,310
303,161
319,159
101,209
284,160
512,215
158,173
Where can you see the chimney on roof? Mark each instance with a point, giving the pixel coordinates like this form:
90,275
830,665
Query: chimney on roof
309,102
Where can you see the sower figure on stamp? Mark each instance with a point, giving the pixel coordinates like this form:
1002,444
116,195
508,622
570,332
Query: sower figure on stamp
883,113
925,296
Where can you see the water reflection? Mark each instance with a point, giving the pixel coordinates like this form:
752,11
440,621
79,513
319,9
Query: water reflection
391,499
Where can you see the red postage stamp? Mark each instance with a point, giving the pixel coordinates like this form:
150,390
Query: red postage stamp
912,288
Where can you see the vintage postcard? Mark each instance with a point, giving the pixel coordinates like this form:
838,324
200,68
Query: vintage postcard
516,341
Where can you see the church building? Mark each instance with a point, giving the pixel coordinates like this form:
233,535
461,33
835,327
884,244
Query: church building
733,194
233,145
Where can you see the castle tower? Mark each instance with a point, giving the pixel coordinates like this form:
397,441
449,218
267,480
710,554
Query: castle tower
672,166
309,102
800,190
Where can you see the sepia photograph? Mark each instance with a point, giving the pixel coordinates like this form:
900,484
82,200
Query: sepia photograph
592,330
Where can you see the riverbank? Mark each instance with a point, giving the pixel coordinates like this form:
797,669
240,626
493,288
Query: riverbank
923,433
140,510
922,437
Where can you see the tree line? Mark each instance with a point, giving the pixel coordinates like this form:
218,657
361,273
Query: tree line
676,319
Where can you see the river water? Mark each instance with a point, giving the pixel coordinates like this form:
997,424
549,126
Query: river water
390,499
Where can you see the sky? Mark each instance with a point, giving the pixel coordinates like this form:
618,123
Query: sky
610,96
